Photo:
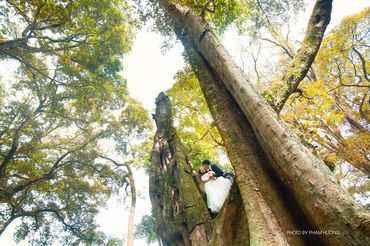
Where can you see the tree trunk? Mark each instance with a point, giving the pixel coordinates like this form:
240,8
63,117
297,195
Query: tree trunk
231,225
266,201
326,205
302,61
130,231
181,214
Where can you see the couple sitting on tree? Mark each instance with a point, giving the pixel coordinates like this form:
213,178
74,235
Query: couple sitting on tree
217,183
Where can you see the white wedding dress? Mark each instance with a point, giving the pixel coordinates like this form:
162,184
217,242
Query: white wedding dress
216,191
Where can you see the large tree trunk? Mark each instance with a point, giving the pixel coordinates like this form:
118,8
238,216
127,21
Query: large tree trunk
326,205
180,211
181,214
267,203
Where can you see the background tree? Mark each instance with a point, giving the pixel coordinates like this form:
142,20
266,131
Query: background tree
146,229
51,169
72,34
319,95
58,113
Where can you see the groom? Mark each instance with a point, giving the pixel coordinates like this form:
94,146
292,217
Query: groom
208,166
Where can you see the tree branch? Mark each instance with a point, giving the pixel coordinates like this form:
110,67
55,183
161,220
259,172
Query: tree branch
364,116
302,62
130,236
25,17
205,8
15,141
286,51
363,63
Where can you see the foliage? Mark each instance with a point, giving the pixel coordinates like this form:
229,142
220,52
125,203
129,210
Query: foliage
194,122
331,115
221,14
247,16
270,16
59,114
74,35
146,229
50,158
333,109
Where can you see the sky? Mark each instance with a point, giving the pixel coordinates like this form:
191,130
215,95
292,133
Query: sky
148,72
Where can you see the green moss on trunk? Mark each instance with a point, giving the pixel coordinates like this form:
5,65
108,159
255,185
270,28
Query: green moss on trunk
182,216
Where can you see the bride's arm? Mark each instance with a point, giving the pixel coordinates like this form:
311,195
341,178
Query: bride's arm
208,176
205,177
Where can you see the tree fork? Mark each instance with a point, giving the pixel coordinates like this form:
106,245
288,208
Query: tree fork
326,205
267,201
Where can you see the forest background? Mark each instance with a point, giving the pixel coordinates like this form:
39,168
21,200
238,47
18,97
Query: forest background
145,80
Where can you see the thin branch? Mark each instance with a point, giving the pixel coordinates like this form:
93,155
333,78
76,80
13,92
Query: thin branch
73,229
363,63
364,116
19,11
255,60
131,182
286,51
31,66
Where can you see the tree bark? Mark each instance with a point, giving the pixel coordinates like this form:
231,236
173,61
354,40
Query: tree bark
302,61
266,202
231,225
130,230
181,214
326,205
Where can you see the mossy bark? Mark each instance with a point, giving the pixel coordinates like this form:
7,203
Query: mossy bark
181,214
302,61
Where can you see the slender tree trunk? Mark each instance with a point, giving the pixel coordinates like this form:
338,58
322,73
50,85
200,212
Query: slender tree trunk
181,214
130,232
326,205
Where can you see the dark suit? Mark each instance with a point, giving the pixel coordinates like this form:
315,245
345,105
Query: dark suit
221,172
218,170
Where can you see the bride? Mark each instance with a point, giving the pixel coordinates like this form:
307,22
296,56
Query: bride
216,189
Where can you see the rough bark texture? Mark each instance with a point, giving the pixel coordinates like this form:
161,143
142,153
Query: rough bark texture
326,205
270,210
181,214
302,61
231,225
269,206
